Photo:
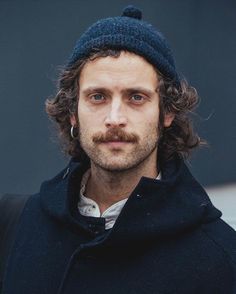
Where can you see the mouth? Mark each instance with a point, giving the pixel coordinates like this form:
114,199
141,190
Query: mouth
115,143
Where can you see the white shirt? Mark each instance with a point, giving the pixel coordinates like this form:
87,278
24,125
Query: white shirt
89,207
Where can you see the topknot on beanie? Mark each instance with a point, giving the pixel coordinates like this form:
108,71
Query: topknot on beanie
127,32
131,11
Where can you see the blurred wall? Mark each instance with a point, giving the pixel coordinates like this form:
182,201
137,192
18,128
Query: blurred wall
37,36
224,198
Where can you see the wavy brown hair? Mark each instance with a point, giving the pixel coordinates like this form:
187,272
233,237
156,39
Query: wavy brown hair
178,139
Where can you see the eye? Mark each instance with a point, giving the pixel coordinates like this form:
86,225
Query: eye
137,98
96,98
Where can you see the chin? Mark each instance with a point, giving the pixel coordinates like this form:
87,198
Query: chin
116,166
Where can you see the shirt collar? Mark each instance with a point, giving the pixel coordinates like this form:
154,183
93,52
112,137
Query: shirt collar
89,207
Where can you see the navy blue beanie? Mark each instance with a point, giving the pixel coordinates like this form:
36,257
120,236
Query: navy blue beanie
128,32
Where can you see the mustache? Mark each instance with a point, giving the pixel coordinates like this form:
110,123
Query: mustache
115,134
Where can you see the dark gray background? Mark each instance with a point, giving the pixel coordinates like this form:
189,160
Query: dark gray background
37,36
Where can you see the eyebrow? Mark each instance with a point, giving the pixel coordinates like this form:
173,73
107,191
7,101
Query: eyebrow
126,91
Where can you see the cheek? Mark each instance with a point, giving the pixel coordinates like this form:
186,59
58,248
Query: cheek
89,122
147,129
151,124
149,118
84,116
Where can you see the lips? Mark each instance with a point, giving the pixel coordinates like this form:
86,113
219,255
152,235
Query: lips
116,143
116,139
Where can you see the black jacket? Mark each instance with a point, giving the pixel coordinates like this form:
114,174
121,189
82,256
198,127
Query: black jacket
169,238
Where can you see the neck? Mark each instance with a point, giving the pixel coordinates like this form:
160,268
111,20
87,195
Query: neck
108,187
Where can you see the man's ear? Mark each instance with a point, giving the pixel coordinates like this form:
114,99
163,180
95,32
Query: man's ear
169,117
73,120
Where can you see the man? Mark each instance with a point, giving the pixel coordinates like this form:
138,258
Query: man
126,215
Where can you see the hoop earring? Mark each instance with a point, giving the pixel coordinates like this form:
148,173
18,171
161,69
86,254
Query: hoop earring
72,132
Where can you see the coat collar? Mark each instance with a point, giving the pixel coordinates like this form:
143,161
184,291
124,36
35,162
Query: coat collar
155,208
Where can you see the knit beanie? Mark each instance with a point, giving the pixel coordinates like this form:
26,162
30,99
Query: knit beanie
128,32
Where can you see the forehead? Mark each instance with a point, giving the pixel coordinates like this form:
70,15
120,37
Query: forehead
128,69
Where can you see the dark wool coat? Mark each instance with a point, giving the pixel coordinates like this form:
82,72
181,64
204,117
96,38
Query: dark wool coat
168,239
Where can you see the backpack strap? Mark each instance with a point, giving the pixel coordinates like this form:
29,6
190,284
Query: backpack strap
11,207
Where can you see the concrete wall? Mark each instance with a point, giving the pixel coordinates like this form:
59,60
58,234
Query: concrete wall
224,198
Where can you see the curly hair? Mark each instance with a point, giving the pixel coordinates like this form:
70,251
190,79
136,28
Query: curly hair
178,139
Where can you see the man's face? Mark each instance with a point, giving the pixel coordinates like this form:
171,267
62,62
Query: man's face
118,111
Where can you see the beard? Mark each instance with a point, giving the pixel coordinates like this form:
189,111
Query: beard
118,158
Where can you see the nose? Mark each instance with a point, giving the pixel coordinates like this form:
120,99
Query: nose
116,115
